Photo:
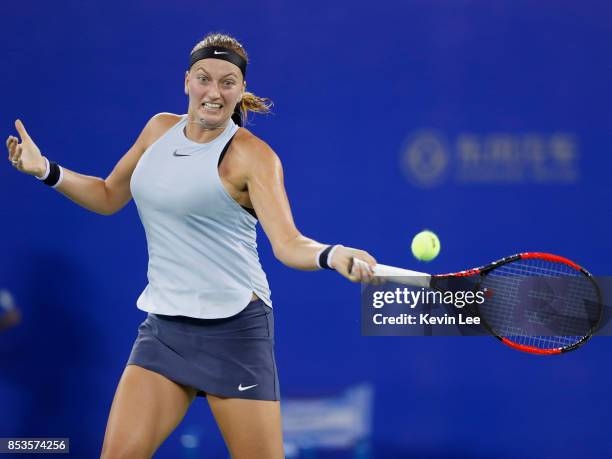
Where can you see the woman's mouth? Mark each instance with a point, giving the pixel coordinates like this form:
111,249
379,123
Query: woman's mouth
209,106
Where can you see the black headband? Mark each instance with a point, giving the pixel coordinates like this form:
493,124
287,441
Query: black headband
219,52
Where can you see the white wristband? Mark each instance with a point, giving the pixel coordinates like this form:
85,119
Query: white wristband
330,255
46,174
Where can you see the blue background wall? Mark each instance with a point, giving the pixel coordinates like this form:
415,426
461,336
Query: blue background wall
355,87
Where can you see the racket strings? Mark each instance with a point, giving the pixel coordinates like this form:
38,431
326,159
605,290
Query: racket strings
539,303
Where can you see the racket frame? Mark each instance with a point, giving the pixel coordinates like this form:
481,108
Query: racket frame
419,279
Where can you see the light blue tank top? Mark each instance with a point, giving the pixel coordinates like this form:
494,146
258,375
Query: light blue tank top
202,246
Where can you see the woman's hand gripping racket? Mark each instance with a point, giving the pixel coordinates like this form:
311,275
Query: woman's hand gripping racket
534,302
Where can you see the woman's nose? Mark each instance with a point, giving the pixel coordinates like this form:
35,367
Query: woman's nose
213,91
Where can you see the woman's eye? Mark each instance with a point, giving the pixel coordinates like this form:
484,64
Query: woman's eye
202,78
229,83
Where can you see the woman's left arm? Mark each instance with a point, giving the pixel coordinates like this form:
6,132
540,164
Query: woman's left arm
267,193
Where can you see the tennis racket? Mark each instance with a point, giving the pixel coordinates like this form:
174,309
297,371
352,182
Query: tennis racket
534,302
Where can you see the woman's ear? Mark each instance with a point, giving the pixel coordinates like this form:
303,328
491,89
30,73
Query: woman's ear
242,92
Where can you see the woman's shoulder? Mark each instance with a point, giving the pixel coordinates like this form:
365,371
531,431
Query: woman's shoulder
252,154
164,120
158,125
248,144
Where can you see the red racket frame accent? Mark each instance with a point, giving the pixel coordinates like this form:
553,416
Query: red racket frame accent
555,259
550,257
466,273
518,256
483,270
529,349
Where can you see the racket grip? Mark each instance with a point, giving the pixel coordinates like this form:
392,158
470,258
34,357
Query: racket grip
403,276
397,275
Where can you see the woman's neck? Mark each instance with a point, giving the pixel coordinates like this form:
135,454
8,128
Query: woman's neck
198,132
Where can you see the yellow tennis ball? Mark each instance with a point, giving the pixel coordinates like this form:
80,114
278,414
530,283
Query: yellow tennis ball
425,246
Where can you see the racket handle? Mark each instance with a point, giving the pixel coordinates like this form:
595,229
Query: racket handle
398,275
403,276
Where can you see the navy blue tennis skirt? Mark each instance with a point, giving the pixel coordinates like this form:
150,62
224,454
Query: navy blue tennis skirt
231,357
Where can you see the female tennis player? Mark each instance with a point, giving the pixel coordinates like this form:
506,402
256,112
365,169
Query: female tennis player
200,183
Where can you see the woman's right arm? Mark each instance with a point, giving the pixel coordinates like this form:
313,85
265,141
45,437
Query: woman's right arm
103,196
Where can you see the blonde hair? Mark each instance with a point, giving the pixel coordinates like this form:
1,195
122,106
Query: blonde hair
250,102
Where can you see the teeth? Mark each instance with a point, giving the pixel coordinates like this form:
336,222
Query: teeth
209,105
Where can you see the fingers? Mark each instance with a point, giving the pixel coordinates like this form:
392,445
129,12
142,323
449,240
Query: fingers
21,130
361,271
366,257
17,153
14,151
11,145
356,265
16,158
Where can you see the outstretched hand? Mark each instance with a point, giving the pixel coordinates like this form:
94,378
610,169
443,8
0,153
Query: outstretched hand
25,156
356,265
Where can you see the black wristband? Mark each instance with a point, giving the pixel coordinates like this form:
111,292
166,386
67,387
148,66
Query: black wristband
323,257
54,174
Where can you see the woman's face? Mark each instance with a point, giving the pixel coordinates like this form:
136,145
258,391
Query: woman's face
214,87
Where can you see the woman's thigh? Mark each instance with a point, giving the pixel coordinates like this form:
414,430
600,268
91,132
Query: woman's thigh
146,409
251,428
